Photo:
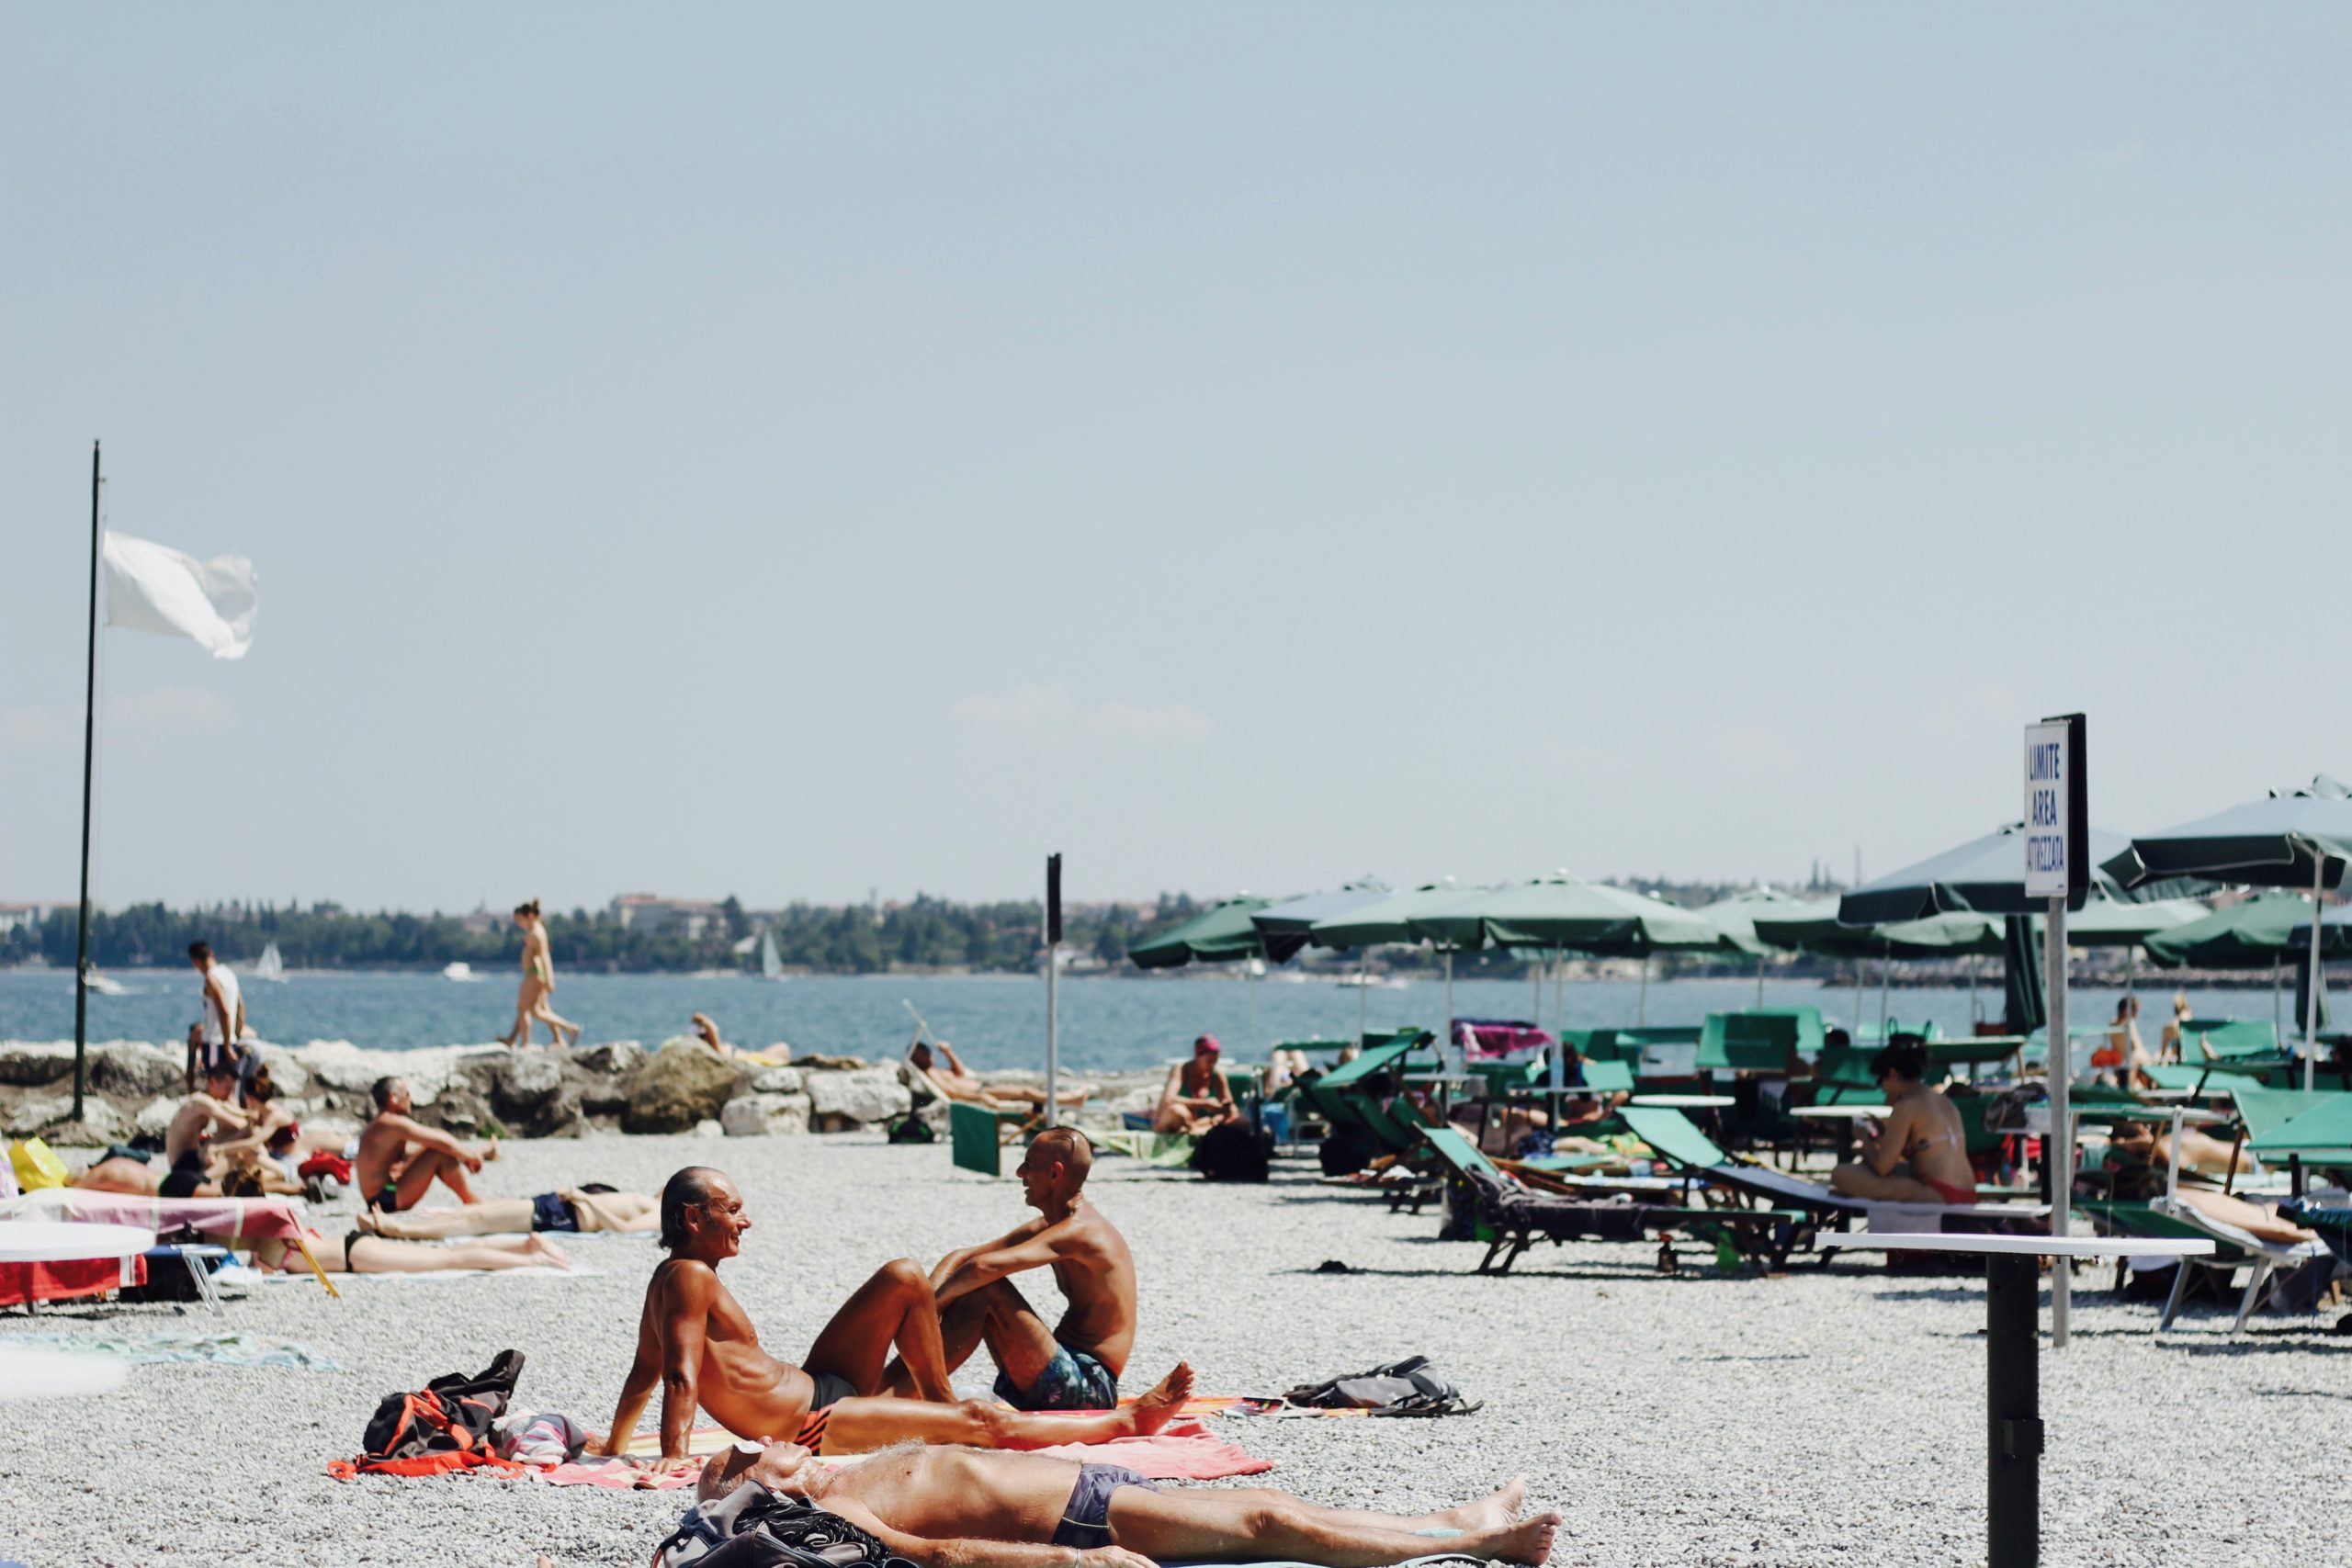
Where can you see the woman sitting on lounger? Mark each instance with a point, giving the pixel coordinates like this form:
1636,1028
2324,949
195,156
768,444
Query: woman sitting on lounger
1921,1156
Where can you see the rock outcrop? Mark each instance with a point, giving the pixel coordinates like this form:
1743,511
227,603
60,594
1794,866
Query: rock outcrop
677,1087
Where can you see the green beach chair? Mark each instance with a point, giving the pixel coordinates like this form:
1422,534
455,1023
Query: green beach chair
975,1142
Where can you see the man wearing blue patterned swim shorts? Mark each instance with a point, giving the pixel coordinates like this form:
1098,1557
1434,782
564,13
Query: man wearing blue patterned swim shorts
1074,1365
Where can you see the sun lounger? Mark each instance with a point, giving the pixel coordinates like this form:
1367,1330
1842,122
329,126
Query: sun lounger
2242,1247
1690,1152
1515,1217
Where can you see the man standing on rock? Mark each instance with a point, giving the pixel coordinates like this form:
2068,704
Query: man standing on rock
1076,1364
697,1342
215,1040
400,1158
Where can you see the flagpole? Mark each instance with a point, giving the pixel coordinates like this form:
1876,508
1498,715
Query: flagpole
89,750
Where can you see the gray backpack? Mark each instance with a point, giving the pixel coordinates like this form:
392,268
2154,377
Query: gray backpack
1409,1387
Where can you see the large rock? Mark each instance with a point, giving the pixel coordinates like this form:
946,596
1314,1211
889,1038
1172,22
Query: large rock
535,1094
27,1064
154,1118
36,1111
778,1080
757,1115
862,1095
611,1056
134,1069
677,1087
100,1124
286,1070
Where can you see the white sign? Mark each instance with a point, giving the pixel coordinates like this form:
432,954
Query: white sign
2048,766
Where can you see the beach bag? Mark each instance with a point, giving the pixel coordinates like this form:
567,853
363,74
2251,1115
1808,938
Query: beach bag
36,1165
1234,1151
1409,1387
447,1425
753,1527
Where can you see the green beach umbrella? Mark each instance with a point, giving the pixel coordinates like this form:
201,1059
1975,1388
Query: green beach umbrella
1811,926
1566,913
1391,919
2249,935
1218,934
1735,918
2299,840
2103,921
1297,918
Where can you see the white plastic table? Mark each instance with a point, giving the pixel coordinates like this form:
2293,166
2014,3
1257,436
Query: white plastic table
1838,1113
2013,1362
1685,1102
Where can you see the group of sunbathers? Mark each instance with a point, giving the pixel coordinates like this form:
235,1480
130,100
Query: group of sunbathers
876,1378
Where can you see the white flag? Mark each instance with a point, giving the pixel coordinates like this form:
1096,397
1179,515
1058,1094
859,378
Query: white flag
152,587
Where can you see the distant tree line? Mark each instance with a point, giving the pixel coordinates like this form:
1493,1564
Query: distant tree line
928,933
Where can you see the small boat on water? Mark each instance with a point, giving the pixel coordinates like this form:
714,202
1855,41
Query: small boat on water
770,961
460,971
270,965
93,981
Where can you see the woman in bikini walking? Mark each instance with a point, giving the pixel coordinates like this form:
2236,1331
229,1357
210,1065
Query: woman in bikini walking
539,984
1921,1156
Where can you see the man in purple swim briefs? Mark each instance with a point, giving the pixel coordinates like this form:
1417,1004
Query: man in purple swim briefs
1074,1365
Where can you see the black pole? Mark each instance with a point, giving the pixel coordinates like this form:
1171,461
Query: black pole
89,749
2013,1410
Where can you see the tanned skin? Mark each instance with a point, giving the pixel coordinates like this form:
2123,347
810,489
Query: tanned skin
410,1157
696,1342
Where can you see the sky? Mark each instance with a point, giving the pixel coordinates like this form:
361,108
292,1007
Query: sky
796,451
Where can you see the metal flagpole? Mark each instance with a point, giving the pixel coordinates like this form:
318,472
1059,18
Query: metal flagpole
1053,983
89,749
2310,1001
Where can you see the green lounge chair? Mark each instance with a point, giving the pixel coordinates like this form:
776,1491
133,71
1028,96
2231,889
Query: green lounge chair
1514,1216
1754,1041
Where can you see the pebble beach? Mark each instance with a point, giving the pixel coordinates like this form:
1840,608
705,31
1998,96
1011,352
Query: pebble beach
1826,1416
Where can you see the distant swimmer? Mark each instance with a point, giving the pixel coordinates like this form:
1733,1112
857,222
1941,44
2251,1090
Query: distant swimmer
696,1343
1075,1364
531,1003
400,1158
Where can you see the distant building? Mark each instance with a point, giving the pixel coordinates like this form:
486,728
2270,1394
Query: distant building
15,915
652,913
481,922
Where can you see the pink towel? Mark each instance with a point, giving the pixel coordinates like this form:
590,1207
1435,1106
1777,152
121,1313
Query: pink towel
1184,1451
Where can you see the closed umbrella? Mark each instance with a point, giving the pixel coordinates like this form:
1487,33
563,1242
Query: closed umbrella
2302,840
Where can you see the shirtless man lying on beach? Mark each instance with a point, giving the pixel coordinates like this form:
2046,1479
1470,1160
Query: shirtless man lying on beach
400,1158
567,1209
2198,1151
957,1081
1075,1364
697,1343
964,1508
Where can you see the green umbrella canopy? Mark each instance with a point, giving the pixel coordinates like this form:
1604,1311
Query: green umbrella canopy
1736,916
1986,875
1296,917
1568,912
1811,926
2111,922
1390,919
2250,935
2265,843
1215,935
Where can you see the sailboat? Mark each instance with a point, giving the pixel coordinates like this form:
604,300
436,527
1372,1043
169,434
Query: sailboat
270,965
770,961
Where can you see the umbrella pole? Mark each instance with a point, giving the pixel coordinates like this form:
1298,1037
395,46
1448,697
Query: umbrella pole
1885,962
1449,996
1559,1020
1249,972
1535,972
1642,1003
1363,983
2276,1027
1760,979
1973,1016
2310,1000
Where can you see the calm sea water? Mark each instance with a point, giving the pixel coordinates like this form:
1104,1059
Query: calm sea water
1105,1024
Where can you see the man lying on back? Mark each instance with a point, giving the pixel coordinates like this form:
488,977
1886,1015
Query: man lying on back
695,1339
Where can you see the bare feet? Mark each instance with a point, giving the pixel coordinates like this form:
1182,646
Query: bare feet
1492,1512
1530,1541
546,1251
1162,1401
491,1153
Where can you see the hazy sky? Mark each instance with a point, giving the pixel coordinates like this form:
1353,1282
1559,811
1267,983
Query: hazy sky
794,451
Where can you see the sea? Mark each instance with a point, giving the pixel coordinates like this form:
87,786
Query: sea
1106,1025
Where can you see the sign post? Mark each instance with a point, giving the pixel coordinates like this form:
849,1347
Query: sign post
2057,867
1053,980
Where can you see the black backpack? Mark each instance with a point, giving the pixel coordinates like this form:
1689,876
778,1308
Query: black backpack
753,1527
1234,1151
1409,1387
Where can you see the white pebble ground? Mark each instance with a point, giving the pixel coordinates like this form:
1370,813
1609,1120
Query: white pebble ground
1823,1417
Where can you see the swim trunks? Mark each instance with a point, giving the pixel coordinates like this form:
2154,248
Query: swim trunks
1086,1518
830,1390
1071,1381
187,1174
553,1211
1951,1194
